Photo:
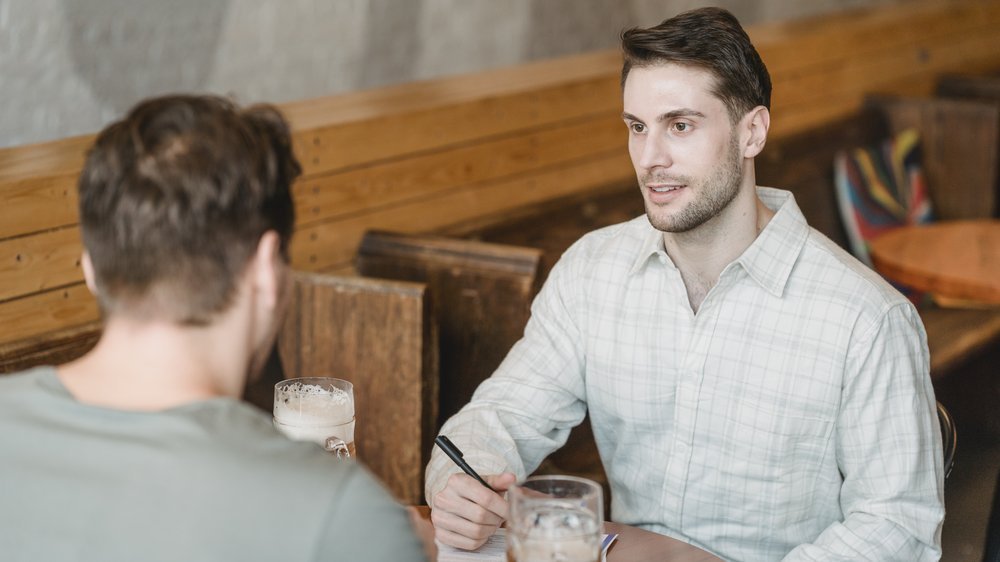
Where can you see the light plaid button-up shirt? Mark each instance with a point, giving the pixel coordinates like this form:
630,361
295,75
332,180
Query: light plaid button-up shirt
791,417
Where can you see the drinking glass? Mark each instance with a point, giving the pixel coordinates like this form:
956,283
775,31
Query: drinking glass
555,518
317,409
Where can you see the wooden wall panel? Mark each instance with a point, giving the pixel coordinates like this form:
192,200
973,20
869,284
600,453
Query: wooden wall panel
40,262
43,312
333,244
37,204
426,175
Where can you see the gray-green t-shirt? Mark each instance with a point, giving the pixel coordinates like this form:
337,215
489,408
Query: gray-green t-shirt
211,480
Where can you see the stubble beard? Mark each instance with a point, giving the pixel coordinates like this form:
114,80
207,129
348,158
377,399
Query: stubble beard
712,195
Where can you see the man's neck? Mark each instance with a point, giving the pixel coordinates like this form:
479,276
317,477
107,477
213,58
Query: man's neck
702,253
152,366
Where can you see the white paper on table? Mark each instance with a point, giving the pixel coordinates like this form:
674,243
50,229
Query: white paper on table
495,549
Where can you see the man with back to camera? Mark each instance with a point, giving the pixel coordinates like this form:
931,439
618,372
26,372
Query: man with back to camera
141,449
753,389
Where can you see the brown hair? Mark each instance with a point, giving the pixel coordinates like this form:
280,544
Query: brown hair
174,199
708,38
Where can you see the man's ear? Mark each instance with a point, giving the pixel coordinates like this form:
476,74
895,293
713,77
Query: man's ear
267,266
758,122
88,273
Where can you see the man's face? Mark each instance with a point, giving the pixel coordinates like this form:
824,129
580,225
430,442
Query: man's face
684,148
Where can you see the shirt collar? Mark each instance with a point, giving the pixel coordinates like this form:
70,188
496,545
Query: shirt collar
770,258
651,245
772,255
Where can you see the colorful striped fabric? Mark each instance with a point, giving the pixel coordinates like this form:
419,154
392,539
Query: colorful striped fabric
880,188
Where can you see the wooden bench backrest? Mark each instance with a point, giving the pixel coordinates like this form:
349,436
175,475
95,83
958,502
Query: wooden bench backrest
56,348
960,145
380,336
459,153
481,297
984,87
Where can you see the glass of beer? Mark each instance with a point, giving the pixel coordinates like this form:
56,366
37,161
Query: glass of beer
317,409
555,518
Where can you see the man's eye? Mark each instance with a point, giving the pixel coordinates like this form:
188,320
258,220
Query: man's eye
637,128
681,127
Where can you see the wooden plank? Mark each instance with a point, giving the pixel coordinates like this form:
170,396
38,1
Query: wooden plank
51,158
378,335
44,312
38,204
39,262
391,135
424,175
481,296
974,86
333,244
53,348
863,74
800,44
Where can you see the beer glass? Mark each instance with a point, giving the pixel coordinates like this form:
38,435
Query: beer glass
555,518
317,409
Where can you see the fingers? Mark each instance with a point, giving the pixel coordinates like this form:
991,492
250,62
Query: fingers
459,532
465,496
466,513
501,482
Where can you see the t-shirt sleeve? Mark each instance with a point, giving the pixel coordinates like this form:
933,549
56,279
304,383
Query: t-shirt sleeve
366,524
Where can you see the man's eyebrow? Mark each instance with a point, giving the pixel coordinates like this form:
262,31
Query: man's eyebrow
683,112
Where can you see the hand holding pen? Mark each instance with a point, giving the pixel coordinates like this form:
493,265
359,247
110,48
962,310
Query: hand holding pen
469,508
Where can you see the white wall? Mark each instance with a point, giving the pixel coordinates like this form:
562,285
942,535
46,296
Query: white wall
68,67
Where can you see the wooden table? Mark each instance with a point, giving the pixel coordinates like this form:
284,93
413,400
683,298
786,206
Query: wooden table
957,260
633,544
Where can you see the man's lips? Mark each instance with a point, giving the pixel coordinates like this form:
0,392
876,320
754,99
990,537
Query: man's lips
663,188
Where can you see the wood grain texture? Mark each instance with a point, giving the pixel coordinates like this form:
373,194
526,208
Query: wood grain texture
333,244
955,259
429,174
39,262
380,336
47,311
482,296
960,147
53,348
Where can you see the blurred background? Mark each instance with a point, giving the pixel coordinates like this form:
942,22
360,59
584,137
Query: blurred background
67,67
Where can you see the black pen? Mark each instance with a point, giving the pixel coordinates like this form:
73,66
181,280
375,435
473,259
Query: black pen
456,455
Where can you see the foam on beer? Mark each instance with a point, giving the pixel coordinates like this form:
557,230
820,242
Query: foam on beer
305,406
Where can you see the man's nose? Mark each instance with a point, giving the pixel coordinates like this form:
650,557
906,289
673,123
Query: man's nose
655,153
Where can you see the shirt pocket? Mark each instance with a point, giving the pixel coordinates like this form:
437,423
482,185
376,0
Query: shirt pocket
774,454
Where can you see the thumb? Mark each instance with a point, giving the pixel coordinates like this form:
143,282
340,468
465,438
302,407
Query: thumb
501,482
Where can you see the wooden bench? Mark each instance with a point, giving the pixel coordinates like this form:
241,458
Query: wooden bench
480,294
378,335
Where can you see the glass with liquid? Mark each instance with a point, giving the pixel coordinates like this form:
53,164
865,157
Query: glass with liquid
555,519
317,409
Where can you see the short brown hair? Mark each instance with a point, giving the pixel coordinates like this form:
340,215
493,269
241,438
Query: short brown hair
708,38
174,199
